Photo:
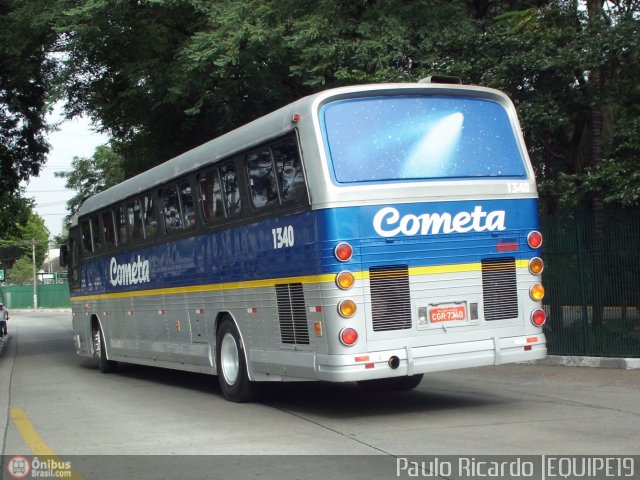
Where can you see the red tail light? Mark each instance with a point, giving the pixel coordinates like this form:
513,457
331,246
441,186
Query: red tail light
538,317
348,336
343,252
534,239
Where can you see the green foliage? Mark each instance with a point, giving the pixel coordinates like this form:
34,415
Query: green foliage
15,245
25,76
36,231
21,272
566,68
89,176
15,210
162,76
60,239
121,68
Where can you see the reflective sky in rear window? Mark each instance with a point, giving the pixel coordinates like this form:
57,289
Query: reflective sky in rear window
419,137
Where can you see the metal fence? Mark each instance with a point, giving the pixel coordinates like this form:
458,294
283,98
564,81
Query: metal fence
49,296
592,283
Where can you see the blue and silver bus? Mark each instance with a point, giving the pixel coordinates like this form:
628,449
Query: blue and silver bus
370,233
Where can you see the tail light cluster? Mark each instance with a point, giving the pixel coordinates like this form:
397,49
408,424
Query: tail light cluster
345,280
536,266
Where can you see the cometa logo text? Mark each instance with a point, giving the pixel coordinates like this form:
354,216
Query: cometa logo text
129,273
387,222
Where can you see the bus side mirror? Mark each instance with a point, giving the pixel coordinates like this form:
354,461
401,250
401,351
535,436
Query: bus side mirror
64,255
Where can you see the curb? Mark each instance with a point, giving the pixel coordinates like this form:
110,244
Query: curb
594,362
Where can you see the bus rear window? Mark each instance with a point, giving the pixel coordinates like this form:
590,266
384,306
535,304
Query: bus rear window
420,137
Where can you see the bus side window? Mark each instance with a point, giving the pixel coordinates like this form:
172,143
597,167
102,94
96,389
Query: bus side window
289,171
73,261
151,224
96,233
231,189
171,209
85,229
134,210
120,217
211,196
262,179
188,206
109,229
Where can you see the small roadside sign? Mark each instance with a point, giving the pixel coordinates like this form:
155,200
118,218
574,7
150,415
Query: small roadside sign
1,275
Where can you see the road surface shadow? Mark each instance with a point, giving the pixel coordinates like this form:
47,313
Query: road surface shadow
336,400
346,400
174,378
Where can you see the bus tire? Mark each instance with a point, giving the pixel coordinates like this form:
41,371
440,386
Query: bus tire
391,384
106,365
231,364
409,383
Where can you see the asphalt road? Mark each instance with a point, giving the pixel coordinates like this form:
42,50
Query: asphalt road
53,402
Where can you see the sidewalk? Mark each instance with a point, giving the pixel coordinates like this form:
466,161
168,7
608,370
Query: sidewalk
596,362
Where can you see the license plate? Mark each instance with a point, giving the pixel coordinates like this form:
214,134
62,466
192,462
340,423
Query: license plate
447,314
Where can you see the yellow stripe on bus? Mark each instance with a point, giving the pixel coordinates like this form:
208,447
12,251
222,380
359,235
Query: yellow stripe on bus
215,287
306,279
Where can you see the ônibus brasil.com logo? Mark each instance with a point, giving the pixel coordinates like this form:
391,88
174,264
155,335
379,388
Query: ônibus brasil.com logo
21,467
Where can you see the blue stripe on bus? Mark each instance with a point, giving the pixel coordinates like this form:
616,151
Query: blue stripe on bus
415,236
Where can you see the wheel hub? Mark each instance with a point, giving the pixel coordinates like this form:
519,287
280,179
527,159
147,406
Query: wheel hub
229,359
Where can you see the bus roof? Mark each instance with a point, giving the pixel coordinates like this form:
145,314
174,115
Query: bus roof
267,127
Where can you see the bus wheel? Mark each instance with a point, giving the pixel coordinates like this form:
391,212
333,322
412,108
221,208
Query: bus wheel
391,384
409,383
106,366
231,365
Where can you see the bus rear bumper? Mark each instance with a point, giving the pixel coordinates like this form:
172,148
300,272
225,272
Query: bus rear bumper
425,359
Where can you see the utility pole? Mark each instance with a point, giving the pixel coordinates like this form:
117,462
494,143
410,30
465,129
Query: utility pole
35,290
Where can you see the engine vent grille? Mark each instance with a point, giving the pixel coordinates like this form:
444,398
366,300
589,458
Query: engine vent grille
499,288
390,297
292,314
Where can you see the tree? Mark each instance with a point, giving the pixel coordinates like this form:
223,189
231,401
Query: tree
15,246
19,226
22,271
60,239
15,210
36,232
570,72
120,67
25,80
164,76
27,68
89,176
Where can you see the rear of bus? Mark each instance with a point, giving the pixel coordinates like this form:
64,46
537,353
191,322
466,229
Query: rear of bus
425,206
